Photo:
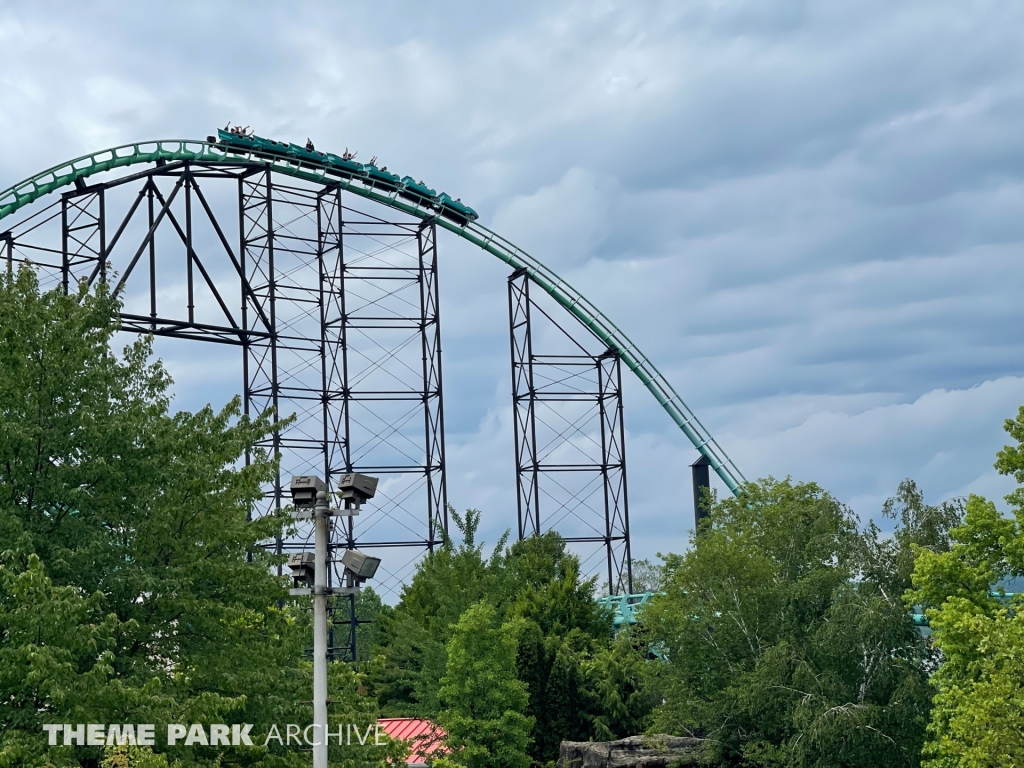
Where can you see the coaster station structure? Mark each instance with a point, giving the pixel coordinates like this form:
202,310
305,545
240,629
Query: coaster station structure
321,274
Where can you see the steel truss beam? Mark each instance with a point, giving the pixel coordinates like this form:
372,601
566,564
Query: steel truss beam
560,400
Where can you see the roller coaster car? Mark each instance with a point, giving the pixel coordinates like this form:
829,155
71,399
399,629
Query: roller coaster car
417,191
407,187
301,153
456,211
250,143
382,178
350,167
230,139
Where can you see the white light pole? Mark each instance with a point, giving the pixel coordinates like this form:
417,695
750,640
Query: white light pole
320,514
309,495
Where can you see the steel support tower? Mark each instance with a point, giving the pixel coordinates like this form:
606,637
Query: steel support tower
570,449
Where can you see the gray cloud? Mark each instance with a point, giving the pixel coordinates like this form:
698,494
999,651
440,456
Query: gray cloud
808,215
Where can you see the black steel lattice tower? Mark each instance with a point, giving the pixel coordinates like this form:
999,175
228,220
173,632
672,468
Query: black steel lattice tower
569,435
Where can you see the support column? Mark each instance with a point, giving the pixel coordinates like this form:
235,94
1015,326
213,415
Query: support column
433,409
524,401
613,470
569,436
701,488
337,453
256,250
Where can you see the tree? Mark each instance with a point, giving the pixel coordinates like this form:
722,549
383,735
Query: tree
484,700
550,590
561,630
535,584
372,613
536,580
105,493
782,648
353,705
560,692
133,586
413,637
126,756
647,576
622,701
55,655
978,627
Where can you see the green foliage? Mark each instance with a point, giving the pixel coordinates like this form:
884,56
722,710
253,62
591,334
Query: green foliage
453,578
132,757
413,636
563,658
560,699
56,654
980,631
133,589
484,702
622,704
888,562
561,631
372,613
132,585
784,647
560,601
647,576
352,704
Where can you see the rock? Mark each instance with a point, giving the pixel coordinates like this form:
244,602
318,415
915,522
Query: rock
657,751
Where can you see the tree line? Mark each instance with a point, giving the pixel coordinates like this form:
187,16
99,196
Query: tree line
133,588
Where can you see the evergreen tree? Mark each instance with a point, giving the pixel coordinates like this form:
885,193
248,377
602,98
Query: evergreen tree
535,583
622,703
568,701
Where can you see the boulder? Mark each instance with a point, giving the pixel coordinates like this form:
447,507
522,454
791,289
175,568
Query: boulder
657,751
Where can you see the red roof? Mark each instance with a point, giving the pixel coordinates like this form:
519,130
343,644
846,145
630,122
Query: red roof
426,737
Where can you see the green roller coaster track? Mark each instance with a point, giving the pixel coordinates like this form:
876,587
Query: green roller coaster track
605,330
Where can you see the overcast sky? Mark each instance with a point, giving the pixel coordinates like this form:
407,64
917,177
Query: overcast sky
808,215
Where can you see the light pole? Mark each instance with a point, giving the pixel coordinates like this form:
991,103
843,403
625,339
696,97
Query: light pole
309,496
320,512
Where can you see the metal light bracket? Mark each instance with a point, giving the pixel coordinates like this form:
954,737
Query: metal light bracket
299,591
308,513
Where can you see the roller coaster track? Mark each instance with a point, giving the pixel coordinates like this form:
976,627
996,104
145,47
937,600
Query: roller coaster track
42,184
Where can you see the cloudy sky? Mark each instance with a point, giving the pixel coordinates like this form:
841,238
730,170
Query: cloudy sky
809,215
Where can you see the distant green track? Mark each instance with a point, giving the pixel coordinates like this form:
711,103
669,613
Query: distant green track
40,185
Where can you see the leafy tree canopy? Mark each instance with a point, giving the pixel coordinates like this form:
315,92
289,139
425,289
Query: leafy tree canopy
579,684
484,702
133,587
978,626
786,638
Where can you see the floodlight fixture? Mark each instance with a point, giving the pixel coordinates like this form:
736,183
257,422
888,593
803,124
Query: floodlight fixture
356,489
359,564
302,567
304,489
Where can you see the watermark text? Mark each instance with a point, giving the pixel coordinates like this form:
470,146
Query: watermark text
214,735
